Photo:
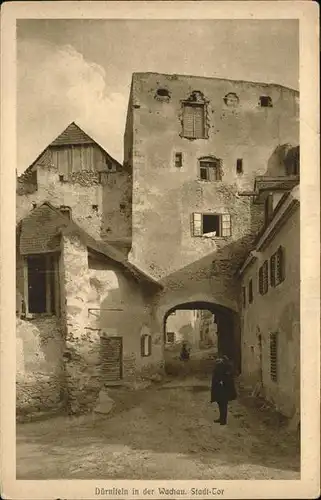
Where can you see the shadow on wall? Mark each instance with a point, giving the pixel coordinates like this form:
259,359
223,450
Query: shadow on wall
283,160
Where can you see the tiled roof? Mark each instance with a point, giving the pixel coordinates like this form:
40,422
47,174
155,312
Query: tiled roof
40,232
72,135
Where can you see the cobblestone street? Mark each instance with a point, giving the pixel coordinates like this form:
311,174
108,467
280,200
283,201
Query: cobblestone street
163,432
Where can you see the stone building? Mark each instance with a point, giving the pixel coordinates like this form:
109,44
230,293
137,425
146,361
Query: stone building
84,313
78,176
193,144
270,277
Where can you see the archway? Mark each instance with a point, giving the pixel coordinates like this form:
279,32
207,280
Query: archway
222,338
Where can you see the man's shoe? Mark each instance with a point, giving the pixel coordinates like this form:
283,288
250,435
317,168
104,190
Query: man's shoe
222,423
217,421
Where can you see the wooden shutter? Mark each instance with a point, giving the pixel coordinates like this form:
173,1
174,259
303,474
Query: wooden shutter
273,356
188,121
272,270
197,229
250,291
265,277
226,225
199,122
261,280
280,265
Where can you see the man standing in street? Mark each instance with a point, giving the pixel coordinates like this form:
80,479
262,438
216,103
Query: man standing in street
223,388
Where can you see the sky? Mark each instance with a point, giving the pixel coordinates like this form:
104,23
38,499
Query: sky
80,70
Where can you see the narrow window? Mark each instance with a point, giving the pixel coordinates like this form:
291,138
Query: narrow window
41,284
273,357
146,345
170,337
61,178
210,169
194,121
178,160
65,211
266,101
243,296
239,166
211,225
250,291
95,208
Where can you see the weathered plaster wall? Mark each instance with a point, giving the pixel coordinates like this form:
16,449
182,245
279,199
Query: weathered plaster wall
93,287
39,367
164,196
100,204
277,311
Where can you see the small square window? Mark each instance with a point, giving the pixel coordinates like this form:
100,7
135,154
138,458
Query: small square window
95,208
266,101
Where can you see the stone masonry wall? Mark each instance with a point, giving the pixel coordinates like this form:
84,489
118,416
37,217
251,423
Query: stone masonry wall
165,196
39,368
101,299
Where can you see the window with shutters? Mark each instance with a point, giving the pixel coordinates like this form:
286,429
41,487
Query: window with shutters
146,345
264,278
210,169
277,264
211,225
273,357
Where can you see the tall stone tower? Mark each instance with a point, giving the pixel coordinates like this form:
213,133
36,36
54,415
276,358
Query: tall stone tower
194,144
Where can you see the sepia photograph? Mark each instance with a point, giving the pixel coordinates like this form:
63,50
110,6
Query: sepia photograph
158,264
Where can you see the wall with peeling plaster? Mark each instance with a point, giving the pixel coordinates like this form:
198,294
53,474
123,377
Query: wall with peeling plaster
277,311
103,300
101,205
164,196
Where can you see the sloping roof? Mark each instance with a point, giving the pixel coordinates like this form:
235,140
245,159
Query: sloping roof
72,135
48,223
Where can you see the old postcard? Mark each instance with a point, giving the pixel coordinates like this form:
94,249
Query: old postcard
160,271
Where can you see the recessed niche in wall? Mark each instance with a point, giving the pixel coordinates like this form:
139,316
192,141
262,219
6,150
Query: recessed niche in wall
162,94
231,100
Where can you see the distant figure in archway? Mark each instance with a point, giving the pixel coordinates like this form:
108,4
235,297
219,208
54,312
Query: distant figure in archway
223,387
185,352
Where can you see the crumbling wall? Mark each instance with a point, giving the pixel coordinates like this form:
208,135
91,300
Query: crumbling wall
101,299
39,367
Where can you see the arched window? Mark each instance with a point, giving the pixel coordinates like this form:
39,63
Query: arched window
210,169
193,119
